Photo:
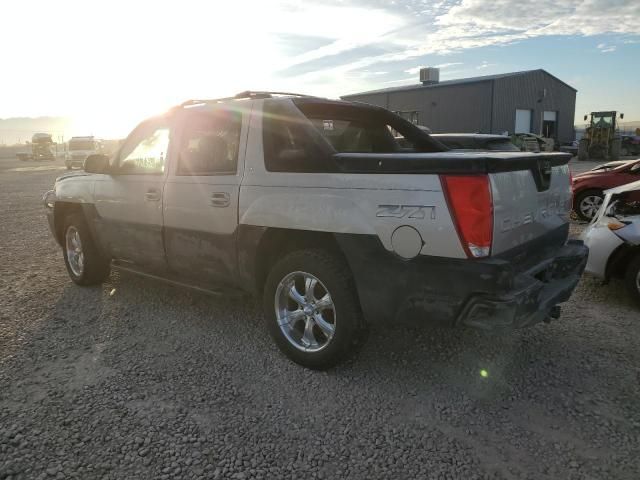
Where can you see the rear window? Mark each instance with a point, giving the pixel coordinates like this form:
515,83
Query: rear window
360,129
302,137
459,143
479,143
502,146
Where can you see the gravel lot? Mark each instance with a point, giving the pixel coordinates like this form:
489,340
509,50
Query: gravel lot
140,380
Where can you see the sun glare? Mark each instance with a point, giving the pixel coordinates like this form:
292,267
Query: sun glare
139,58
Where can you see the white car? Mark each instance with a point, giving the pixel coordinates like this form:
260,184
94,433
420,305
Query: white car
613,238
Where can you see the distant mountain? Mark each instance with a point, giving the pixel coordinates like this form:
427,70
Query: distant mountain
20,129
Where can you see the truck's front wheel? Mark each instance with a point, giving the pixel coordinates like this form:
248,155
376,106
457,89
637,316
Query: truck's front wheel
311,308
81,256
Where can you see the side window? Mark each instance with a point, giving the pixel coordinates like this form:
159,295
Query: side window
145,151
289,143
209,143
635,169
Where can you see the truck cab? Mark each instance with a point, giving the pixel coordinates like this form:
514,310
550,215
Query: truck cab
79,148
42,147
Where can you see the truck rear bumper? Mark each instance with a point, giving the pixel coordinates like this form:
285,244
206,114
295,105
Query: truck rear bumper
493,293
535,294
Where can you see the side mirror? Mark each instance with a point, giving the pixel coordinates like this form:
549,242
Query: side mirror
585,118
97,163
621,116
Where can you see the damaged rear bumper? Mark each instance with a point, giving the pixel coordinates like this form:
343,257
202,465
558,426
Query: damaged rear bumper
535,294
514,290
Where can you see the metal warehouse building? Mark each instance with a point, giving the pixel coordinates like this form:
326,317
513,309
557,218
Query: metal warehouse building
532,101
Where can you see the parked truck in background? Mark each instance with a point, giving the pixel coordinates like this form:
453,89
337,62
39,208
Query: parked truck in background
41,148
79,148
315,207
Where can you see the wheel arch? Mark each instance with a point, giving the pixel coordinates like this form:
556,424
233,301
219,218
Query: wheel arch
62,210
259,248
619,260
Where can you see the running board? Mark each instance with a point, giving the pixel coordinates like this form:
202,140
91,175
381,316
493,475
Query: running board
176,283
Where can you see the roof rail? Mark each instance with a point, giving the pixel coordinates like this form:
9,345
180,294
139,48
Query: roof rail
267,94
247,94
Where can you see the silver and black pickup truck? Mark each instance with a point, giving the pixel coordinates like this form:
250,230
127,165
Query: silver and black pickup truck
315,207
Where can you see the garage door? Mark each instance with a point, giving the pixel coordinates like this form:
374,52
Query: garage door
523,121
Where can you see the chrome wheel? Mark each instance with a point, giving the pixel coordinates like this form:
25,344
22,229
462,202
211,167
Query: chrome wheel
305,311
590,205
75,256
638,281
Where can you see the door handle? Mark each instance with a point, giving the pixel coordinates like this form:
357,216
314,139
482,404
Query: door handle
152,195
220,199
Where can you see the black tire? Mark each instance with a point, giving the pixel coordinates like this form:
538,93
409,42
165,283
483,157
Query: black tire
582,196
632,279
599,151
96,268
335,277
614,153
583,150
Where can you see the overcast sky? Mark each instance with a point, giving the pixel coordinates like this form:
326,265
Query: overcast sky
110,63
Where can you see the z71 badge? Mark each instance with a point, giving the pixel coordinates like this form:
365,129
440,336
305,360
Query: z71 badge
418,212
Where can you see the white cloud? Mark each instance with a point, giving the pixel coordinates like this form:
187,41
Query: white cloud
478,23
414,70
442,66
604,48
484,65
447,65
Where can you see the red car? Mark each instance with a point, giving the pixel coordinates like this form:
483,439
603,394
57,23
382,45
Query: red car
588,187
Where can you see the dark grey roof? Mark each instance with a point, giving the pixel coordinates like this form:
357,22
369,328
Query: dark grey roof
460,81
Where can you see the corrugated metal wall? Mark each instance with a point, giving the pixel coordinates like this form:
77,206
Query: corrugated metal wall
454,108
466,108
528,92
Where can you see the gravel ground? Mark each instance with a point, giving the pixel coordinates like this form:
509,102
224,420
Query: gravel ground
136,379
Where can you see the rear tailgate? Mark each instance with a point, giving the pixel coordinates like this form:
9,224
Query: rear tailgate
531,200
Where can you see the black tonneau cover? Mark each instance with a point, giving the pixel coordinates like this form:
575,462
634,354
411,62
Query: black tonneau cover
448,162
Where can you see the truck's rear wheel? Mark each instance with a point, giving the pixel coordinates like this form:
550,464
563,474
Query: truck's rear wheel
85,264
311,308
632,279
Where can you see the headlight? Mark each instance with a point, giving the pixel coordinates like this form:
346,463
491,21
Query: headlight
49,199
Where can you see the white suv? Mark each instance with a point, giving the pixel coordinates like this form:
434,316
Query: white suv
315,206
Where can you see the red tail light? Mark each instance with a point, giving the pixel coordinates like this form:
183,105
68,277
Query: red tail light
470,203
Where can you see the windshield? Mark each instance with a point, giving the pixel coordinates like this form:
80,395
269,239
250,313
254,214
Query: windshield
81,145
602,119
634,166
